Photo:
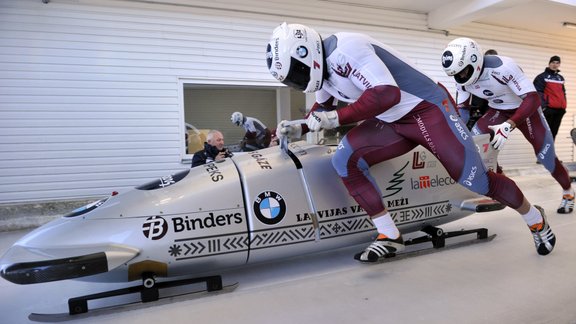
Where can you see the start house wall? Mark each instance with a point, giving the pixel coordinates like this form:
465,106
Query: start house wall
91,97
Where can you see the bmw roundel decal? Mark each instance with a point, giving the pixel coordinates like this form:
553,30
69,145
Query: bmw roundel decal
269,207
302,51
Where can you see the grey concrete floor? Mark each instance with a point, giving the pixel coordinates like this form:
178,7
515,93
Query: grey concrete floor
502,281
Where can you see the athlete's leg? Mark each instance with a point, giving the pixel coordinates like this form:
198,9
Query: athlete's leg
538,134
369,143
499,186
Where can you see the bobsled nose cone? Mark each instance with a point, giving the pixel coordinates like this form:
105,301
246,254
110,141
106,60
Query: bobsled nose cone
52,270
31,272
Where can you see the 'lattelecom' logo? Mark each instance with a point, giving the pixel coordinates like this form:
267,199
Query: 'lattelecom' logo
427,182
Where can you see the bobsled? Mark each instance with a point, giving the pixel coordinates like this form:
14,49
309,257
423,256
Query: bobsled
252,207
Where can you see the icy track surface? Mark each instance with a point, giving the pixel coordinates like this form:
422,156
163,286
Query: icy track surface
502,281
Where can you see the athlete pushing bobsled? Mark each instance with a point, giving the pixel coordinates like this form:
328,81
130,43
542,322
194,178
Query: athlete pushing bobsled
513,103
399,107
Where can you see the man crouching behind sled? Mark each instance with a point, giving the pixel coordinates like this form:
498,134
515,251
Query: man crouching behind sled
400,108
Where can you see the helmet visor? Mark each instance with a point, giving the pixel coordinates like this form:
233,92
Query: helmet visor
299,75
464,75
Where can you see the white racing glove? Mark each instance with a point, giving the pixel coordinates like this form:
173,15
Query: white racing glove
283,130
501,133
322,120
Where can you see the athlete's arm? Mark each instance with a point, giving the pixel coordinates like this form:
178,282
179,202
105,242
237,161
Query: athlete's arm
530,103
326,104
372,102
517,81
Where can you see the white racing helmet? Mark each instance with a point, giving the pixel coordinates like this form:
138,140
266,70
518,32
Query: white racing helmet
295,57
237,118
463,59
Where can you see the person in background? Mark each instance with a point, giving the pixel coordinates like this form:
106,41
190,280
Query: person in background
513,103
400,108
257,136
213,151
550,87
476,107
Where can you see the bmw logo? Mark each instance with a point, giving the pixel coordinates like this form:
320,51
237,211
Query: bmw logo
269,207
302,51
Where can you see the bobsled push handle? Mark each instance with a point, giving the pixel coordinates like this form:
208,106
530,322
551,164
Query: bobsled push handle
286,150
284,143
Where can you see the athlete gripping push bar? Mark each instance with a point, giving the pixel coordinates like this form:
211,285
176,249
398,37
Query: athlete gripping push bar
400,108
513,103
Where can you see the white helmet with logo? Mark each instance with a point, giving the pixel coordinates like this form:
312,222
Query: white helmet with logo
237,118
295,57
463,59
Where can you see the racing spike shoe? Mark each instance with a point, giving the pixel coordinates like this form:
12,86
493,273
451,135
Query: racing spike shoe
383,247
567,204
544,239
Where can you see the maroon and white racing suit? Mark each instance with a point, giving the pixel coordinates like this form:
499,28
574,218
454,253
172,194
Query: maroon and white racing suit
401,108
512,96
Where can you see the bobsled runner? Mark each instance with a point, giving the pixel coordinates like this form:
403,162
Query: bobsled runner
78,306
253,207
